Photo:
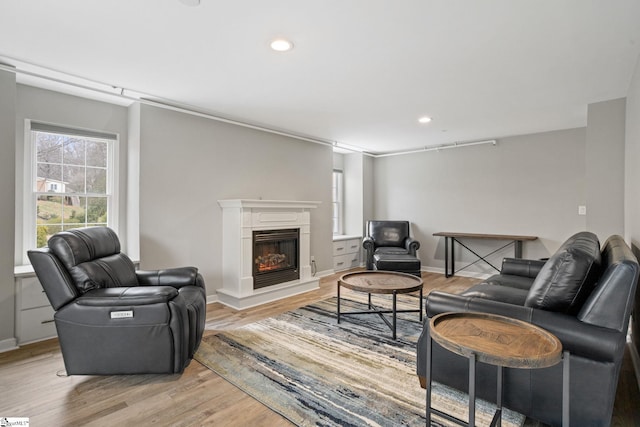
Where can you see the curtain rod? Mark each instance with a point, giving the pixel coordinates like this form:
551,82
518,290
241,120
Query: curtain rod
166,105
438,148
171,105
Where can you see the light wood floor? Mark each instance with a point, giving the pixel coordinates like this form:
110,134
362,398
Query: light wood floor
30,386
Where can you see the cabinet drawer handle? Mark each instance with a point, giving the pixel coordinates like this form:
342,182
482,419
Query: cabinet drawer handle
340,263
339,249
47,321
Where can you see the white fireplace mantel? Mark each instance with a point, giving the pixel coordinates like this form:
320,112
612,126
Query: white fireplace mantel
240,217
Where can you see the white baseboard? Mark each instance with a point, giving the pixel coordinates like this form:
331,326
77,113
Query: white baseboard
324,273
8,345
212,298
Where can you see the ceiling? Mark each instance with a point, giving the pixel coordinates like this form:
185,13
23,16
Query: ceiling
361,72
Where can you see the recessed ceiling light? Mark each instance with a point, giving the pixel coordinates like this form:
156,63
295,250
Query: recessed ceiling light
424,119
190,2
281,45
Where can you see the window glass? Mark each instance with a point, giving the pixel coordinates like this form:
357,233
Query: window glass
337,201
71,185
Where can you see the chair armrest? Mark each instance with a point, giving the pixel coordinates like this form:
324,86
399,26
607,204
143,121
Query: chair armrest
581,339
411,245
521,267
369,246
175,277
130,296
368,243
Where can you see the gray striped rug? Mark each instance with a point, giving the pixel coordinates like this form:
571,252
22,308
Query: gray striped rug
312,371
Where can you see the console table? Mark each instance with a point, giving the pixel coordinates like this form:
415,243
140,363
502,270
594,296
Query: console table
450,238
497,340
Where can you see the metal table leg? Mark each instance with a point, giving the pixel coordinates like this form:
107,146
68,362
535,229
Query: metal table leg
428,377
565,388
472,390
338,301
446,257
395,294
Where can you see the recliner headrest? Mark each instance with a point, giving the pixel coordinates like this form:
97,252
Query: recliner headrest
76,246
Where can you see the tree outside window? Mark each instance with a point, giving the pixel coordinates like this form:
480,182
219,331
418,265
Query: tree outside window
71,186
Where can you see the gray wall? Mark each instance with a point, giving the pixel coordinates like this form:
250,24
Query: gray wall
7,214
605,168
188,163
72,111
353,193
530,185
632,161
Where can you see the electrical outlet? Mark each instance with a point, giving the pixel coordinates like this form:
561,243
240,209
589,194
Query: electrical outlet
582,210
313,258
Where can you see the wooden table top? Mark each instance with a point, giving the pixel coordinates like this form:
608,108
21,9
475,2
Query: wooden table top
381,282
497,340
484,236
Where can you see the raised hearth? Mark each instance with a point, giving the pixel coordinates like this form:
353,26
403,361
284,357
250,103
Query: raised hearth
240,219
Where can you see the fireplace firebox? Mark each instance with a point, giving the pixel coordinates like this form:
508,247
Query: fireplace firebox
275,257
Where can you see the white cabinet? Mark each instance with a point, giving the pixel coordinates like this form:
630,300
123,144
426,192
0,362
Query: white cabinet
34,314
346,252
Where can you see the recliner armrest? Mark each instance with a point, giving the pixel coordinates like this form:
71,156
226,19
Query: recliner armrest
130,296
175,277
581,339
521,267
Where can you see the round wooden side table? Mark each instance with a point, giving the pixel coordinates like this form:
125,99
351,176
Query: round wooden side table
497,340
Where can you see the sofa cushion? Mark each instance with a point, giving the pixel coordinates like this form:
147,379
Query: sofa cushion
568,277
510,281
507,294
396,262
391,250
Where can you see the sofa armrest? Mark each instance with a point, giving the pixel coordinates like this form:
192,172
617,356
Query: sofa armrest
175,277
581,339
411,245
129,296
521,267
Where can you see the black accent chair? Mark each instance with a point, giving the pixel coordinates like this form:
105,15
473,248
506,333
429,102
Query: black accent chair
112,319
388,246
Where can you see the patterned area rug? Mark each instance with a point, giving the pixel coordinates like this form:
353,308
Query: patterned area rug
312,371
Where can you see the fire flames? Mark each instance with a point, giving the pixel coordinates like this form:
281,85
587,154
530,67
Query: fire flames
271,262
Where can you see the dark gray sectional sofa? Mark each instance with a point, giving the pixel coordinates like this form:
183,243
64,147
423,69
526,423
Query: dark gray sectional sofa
584,295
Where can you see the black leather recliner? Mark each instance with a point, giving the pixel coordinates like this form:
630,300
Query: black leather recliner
388,246
112,319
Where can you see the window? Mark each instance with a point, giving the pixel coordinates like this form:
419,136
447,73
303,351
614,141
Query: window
338,201
72,180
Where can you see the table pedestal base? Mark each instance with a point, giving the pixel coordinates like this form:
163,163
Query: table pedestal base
374,310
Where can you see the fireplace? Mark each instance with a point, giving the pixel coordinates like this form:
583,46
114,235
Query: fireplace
243,284
275,257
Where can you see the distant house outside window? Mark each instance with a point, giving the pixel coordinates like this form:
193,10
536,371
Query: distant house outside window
338,201
72,180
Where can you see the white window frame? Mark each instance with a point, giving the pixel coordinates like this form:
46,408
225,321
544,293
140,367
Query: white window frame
339,202
30,176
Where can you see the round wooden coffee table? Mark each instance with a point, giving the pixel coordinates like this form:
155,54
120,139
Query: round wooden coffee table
382,282
497,340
